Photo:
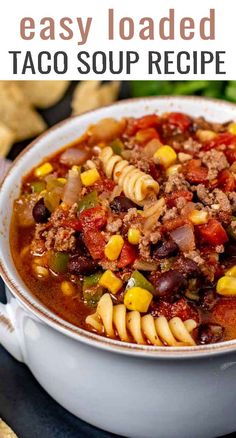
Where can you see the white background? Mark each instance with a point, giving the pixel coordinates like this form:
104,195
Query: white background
13,11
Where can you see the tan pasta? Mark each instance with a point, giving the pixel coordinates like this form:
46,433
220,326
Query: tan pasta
135,184
131,326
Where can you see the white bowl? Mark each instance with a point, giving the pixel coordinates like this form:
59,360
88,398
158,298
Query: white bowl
135,391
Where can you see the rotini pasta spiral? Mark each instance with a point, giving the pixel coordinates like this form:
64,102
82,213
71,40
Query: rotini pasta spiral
131,326
135,184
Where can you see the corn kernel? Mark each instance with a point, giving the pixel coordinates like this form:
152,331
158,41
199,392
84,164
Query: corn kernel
110,281
172,170
113,247
226,286
89,177
231,272
166,156
137,298
198,217
205,135
232,128
40,271
134,236
76,168
67,288
62,180
43,170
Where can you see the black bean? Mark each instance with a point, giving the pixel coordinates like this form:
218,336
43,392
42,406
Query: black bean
187,267
167,249
207,299
169,283
121,204
209,333
40,212
81,265
230,250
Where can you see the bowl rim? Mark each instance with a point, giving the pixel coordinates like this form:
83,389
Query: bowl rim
91,338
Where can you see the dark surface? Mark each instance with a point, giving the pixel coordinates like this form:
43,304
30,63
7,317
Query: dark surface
24,405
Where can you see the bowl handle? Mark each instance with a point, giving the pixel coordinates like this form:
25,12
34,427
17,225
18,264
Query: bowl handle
8,332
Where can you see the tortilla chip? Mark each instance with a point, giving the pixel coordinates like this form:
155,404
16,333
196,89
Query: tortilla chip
89,95
5,431
17,114
43,94
6,139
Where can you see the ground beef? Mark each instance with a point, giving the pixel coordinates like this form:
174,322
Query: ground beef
219,249
221,199
107,264
203,194
60,239
217,200
171,213
132,218
195,256
137,160
215,162
145,248
176,182
184,157
232,199
113,225
191,146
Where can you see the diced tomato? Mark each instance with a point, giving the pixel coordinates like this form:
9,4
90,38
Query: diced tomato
149,121
95,242
195,173
224,312
171,199
180,120
93,219
161,308
226,181
127,256
145,135
131,127
180,308
212,233
184,310
104,185
223,139
73,223
230,155
154,171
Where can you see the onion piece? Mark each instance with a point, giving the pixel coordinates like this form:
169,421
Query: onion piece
73,157
72,188
106,130
23,208
184,238
151,147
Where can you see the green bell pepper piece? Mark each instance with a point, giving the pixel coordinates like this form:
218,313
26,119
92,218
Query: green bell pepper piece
58,262
138,280
117,146
37,186
92,291
89,201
